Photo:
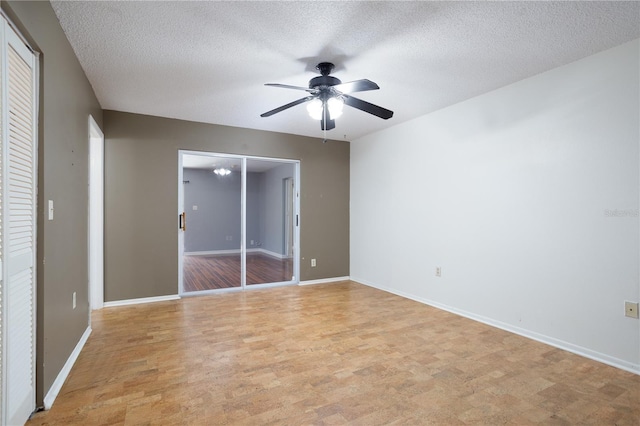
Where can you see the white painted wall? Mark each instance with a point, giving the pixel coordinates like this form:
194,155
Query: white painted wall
511,194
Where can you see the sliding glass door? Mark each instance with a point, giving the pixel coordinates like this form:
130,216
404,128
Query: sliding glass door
237,222
212,216
269,213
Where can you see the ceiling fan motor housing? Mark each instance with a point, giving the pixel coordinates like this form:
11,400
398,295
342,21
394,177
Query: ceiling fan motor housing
323,81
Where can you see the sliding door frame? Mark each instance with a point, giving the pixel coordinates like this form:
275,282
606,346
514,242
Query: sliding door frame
243,223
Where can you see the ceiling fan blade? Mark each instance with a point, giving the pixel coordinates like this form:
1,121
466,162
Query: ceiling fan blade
287,106
368,107
287,86
356,86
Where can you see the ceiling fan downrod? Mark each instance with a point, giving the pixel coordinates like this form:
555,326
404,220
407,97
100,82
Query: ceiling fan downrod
325,68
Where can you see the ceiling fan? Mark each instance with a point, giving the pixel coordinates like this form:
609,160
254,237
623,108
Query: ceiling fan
327,95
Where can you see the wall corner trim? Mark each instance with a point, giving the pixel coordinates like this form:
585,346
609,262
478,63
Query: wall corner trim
325,280
557,343
51,395
141,300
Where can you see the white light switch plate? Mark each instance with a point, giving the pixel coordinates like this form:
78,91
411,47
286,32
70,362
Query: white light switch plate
50,209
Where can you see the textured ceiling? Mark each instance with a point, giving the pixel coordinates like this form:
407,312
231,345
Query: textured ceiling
208,61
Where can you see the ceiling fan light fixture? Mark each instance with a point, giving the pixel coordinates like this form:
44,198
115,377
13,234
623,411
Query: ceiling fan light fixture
335,105
221,171
314,108
327,95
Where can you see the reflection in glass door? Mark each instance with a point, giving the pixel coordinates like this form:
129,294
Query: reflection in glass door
268,205
212,189
225,200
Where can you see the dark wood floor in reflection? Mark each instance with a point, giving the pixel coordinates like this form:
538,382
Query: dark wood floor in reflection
215,272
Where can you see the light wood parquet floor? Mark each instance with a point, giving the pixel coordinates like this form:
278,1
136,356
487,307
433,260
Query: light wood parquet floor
328,354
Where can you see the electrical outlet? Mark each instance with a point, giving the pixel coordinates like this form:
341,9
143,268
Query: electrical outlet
313,263
631,309
438,271
74,300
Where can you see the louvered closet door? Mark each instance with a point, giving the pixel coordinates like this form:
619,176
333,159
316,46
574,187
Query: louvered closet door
18,228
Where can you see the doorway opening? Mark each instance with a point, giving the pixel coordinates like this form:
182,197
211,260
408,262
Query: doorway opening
237,222
96,216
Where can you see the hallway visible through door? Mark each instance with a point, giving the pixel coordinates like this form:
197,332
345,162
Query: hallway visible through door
211,272
236,222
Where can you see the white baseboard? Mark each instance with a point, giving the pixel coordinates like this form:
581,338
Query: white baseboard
51,395
560,344
270,253
325,281
212,252
141,300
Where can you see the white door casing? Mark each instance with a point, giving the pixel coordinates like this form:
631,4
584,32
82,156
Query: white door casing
289,209
96,216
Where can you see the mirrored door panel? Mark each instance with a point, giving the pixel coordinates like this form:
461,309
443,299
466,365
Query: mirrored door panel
212,188
270,217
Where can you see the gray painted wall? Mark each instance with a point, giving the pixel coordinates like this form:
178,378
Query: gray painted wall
141,181
253,209
66,100
272,207
218,215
